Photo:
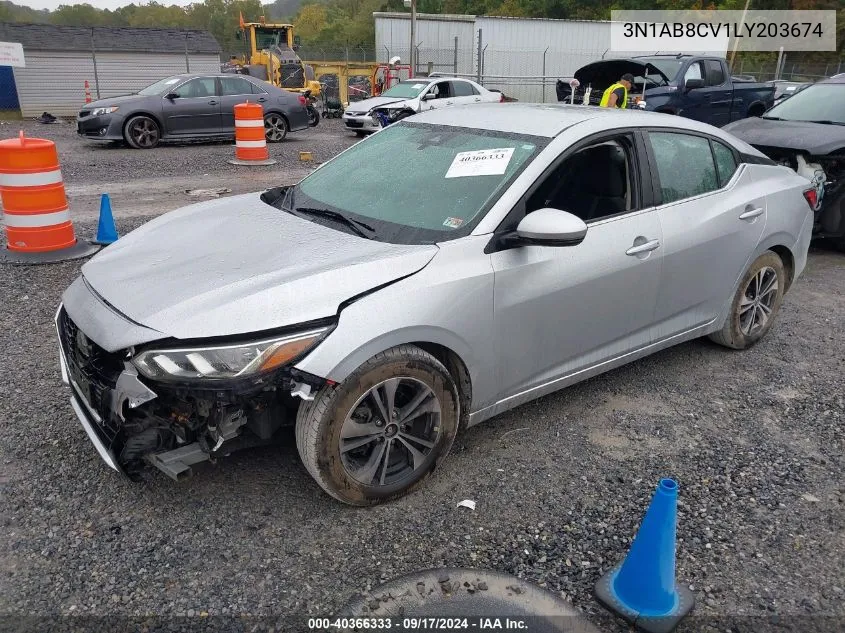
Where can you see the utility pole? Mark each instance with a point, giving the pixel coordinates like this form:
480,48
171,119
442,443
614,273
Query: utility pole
736,39
413,38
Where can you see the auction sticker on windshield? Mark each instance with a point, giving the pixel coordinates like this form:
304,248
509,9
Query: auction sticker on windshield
481,162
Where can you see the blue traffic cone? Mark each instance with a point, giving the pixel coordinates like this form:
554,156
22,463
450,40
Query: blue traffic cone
642,589
106,229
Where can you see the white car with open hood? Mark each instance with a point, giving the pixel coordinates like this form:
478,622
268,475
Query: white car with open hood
411,96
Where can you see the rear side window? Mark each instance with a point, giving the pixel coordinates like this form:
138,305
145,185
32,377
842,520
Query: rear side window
715,74
725,162
685,165
461,89
235,86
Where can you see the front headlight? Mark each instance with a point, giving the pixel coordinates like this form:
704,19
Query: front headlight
225,361
101,111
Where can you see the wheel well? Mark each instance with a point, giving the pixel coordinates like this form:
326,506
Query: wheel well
788,263
281,114
146,114
459,372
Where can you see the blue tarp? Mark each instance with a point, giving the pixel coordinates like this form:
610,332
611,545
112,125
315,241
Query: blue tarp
8,91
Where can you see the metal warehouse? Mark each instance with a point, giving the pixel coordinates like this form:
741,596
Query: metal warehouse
515,53
113,60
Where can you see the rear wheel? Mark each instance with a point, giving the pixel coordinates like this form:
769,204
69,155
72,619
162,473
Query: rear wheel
275,127
755,305
142,132
381,432
313,116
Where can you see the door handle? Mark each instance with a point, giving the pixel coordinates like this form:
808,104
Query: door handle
261,99
643,248
212,102
477,99
750,214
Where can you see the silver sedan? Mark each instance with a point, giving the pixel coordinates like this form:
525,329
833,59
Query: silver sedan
445,270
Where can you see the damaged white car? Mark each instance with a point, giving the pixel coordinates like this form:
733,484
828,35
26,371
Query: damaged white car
451,267
411,96
807,133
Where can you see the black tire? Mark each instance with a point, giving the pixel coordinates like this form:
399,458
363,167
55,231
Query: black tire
738,332
319,424
313,116
142,132
360,134
276,127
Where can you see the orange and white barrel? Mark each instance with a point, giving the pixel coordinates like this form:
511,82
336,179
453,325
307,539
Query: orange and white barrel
250,143
35,208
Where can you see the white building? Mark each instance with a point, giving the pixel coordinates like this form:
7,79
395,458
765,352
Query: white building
516,52
113,60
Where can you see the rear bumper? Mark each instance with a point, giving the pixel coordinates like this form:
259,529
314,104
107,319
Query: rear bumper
802,246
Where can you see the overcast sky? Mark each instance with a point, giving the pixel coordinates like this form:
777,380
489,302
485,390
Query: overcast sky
101,4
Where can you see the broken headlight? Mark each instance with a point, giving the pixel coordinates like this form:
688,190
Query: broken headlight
226,361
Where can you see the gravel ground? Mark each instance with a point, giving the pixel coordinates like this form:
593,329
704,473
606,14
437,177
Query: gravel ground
754,438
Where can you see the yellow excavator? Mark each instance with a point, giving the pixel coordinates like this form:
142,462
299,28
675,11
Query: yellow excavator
272,57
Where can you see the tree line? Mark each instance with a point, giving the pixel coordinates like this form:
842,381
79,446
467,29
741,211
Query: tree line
342,23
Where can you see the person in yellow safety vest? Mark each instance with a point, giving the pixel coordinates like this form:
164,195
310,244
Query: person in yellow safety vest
616,96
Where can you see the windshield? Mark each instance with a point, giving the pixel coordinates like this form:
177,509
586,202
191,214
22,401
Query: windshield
267,38
416,183
405,89
669,67
163,85
820,102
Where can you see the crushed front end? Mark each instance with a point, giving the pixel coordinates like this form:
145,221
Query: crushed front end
135,421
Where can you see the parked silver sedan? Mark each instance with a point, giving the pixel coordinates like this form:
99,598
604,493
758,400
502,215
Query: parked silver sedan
445,270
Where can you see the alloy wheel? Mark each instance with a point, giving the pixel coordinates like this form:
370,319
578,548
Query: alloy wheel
758,300
275,128
390,432
144,133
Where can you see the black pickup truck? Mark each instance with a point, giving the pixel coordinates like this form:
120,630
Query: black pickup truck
695,87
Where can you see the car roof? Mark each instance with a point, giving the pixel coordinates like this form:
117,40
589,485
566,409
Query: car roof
547,119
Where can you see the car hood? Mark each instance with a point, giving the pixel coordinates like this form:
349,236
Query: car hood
814,138
237,266
111,101
604,73
375,102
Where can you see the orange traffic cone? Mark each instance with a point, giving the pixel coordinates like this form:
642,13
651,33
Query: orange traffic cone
35,210
250,144
87,92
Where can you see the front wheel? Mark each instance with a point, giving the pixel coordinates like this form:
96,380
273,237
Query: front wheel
142,132
275,128
381,432
755,304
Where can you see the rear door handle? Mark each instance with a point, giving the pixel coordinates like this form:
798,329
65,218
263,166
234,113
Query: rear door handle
750,214
212,102
643,248
261,99
477,99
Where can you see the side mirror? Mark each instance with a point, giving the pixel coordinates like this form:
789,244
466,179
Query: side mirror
238,34
428,96
171,96
551,227
692,84
296,40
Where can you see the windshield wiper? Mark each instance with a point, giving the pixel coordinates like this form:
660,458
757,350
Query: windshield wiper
360,228
771,118
825,122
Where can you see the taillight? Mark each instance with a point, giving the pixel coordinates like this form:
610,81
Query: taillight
501,97
812,198
302,100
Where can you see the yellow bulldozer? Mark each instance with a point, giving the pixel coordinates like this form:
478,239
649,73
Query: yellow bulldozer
272,57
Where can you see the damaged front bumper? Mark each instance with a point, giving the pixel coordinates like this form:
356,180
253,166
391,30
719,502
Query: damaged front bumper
133,422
